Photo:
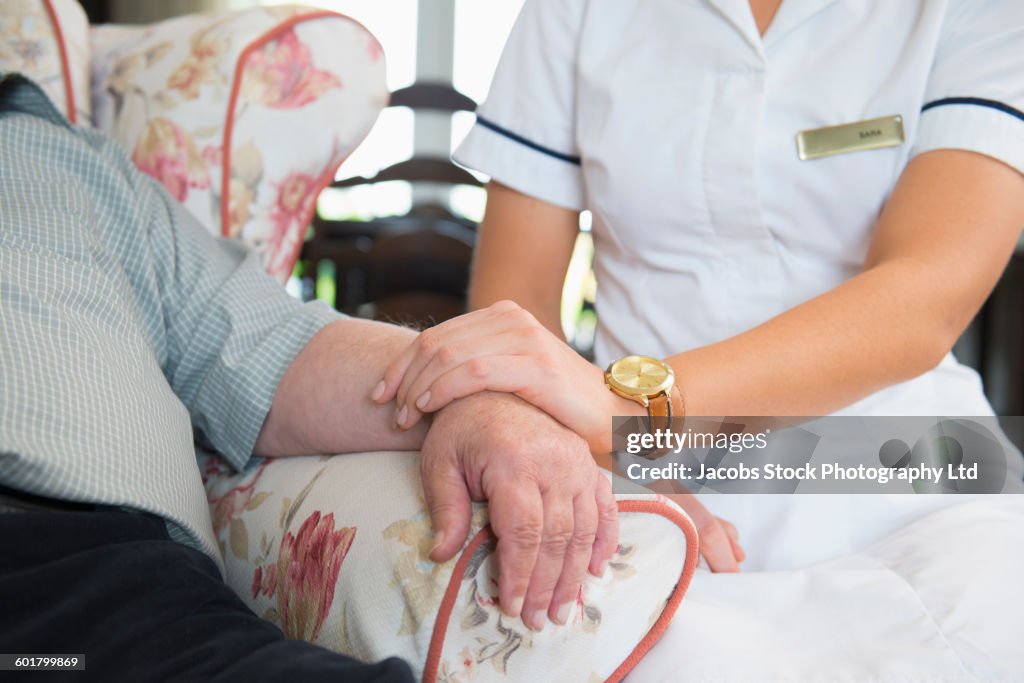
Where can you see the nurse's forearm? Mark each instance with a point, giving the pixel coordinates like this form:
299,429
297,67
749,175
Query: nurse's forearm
821,355
522,253
941,243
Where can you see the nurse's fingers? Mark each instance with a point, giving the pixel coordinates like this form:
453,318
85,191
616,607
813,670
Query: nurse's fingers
717,547
415,394
734,539
553,388
729,527
737,551
715,544
511,374
425,344
448,346
430,341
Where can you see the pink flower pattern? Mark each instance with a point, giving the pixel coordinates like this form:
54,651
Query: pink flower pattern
296,195
281,75
166,153
307,571
264,582
200,68
232,503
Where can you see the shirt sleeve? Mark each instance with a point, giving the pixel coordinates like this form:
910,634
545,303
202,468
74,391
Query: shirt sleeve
974,99
229,331
525,132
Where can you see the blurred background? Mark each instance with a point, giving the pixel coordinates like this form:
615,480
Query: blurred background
393,238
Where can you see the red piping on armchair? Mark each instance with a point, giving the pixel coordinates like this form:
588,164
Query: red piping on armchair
229,126
69,90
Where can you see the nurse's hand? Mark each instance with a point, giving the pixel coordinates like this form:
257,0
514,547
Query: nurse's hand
719,538
502,348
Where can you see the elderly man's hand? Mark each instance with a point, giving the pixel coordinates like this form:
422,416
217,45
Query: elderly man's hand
553,512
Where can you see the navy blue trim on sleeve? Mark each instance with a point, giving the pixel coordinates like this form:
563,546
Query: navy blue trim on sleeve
978,102
568,158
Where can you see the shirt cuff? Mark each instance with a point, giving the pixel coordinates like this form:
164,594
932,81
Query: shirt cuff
522,164
980,128
252,383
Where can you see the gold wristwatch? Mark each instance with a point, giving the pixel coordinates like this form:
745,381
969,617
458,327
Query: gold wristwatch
646,380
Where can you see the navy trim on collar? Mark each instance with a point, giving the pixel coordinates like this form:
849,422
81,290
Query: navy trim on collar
568,158
978,102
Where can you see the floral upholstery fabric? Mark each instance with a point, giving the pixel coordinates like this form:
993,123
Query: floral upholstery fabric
242,116
335,550
37,38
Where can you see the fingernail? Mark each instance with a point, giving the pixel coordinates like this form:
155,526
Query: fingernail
438,541
515,608
402,414
600,568
423,400
538,620
378,390
563,613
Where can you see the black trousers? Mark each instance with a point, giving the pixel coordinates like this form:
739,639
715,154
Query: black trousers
112,585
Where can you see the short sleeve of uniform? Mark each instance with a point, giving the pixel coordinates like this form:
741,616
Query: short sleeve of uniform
975,94
525,136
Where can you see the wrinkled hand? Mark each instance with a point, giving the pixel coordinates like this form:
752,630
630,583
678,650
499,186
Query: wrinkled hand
502,348
552,511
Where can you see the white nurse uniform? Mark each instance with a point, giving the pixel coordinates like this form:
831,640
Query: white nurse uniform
674,122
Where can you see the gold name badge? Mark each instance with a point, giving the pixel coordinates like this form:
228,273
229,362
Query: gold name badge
851,137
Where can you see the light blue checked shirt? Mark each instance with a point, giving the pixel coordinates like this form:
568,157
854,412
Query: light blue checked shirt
124,326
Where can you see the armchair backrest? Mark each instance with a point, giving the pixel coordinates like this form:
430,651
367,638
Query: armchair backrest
243,116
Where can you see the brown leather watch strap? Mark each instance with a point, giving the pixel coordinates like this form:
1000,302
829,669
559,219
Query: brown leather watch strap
675,396
659,409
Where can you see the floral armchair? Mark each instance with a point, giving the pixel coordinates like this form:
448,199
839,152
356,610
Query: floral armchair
199,98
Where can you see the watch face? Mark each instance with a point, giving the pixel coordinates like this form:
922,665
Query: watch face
641,375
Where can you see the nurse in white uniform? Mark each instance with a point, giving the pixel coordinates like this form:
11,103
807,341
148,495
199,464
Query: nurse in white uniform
778,268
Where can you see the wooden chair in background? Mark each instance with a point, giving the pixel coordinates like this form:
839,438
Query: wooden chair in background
411,268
